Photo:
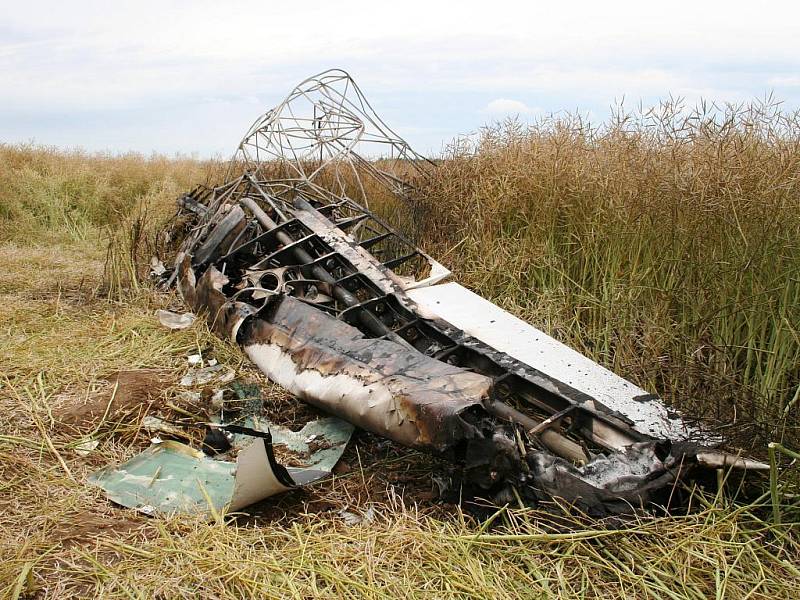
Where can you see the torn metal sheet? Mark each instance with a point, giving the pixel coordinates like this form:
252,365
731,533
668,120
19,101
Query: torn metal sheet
318,445
497,328
286,259
171,477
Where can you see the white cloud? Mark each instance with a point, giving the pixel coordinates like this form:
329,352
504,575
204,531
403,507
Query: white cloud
204,66
504,106
789,81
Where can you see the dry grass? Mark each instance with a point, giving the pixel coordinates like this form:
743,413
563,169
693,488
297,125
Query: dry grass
51,196
664,244
591,237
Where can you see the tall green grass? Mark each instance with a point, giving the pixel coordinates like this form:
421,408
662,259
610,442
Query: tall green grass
48,195
664,243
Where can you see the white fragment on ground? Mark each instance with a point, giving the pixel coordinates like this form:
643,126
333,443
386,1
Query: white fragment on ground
152,424
189,396
173,320
217,400
85,447
352,518
157,268
195,360
218,374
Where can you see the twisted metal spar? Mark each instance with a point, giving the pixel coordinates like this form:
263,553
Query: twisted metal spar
324,137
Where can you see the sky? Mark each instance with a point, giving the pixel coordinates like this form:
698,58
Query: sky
190,77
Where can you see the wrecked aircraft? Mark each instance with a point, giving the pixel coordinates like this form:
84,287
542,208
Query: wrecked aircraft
286,259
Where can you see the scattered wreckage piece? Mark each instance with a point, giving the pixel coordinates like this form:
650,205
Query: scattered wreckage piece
237,465
343,311
171,477
173,320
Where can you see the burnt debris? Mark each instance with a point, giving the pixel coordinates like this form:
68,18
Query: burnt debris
329,301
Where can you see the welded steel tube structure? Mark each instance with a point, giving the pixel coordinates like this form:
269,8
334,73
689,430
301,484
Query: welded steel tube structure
343,311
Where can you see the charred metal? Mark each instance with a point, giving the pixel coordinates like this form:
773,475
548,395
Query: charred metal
346,313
